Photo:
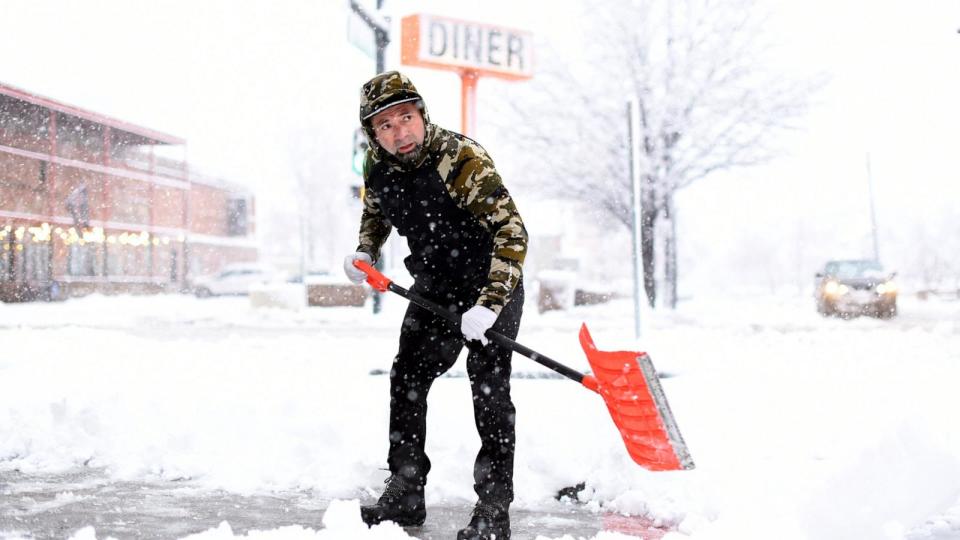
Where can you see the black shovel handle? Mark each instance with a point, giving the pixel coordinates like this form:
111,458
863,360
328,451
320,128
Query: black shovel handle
383,284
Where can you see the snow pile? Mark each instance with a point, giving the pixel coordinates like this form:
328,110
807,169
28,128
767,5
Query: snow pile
800,426
278,295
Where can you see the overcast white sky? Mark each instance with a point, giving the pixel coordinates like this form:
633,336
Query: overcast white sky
240,79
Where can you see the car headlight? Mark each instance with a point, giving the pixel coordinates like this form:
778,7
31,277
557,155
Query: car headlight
887,288
833,288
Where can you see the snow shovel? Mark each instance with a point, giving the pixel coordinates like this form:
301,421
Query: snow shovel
627,381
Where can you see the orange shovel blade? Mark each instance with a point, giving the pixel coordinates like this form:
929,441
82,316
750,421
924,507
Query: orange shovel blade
629,385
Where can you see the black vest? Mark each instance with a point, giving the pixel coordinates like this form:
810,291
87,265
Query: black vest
450,251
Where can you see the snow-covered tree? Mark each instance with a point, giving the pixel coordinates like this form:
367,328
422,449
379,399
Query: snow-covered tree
708,98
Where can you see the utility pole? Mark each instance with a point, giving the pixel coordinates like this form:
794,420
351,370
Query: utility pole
380,25
303,234
873,212
632,131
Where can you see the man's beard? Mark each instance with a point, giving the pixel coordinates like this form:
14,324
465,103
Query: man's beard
411,157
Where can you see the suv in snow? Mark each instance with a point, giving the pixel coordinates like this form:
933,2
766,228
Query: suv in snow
235,279
855,287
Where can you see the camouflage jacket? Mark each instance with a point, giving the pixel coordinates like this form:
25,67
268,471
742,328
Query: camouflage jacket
470,178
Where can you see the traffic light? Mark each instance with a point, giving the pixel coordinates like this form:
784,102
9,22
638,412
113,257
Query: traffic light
360,146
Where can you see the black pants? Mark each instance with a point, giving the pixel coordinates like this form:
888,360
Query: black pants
429,346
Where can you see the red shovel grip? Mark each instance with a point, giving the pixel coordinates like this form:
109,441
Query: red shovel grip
376,280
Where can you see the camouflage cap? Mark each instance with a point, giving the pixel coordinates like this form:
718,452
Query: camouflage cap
385,90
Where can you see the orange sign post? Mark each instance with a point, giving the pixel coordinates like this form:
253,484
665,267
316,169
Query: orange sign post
471,49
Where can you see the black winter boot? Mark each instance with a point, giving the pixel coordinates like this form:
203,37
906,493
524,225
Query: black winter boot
401,503
489,521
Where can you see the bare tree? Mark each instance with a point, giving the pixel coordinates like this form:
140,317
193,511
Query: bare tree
932,253
707,102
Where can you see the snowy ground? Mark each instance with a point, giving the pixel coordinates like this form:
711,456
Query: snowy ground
801,427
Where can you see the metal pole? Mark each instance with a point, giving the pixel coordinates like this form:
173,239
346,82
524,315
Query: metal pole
468,102
381,36
632,121
304,229
873,213
383,39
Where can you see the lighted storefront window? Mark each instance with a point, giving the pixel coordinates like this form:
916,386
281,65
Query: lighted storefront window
6,258
82,259
36,257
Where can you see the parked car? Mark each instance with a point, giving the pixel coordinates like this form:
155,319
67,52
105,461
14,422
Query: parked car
855,287
235,279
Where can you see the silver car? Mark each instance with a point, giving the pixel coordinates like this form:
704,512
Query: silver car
235,279
856,287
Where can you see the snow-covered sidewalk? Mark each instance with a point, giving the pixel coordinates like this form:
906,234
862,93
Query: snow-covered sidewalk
800,426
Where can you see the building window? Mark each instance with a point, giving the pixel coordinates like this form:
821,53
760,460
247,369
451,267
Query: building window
128,260
160,262
81,260
237,217
36,257
6,259
130,202
115,260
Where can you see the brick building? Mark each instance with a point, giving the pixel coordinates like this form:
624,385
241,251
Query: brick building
92,203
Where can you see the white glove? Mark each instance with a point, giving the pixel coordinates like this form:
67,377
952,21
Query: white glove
475,323
353,273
